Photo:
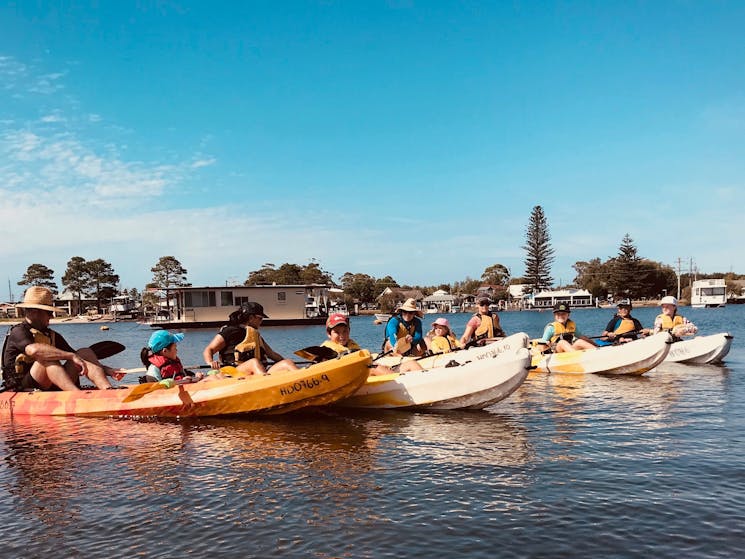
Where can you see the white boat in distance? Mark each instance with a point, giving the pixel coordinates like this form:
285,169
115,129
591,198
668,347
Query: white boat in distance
382,317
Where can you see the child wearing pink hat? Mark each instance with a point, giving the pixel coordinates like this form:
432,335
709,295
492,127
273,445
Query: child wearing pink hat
441,338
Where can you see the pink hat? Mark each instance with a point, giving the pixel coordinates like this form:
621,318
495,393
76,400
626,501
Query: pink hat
442,322
336,319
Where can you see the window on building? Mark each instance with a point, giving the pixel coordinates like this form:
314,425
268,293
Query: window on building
240,301
200,299
281,296
226,298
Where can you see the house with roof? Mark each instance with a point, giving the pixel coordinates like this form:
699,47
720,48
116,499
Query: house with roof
440,301
575,298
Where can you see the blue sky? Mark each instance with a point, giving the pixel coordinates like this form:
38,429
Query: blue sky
403,137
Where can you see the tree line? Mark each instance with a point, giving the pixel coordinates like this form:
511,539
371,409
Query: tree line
625,275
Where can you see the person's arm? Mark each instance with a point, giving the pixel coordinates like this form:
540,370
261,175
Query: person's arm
609,328
468,332
214,347
270,353
548,333
391,329
44,353
418,337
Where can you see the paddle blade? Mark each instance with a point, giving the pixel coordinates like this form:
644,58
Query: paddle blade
140,390
106,348
316,352
402,346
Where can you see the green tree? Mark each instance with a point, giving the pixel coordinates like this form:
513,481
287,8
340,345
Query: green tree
540,254
262,276
76,279
496,274
102,280
593,276
628,276
39,275
359,286
167,274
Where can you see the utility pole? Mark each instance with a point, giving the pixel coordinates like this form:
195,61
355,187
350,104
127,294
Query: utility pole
680,263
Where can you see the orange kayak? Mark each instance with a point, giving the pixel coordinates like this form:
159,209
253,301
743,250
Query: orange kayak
319,384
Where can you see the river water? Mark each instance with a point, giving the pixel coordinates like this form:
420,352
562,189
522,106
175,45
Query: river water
568,466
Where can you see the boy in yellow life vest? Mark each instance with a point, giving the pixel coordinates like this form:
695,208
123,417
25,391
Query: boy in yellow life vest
562,334
338,332
671,321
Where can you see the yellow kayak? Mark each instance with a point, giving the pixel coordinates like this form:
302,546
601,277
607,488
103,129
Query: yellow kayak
276,393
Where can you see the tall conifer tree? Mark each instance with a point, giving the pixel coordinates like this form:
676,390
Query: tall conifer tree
540,255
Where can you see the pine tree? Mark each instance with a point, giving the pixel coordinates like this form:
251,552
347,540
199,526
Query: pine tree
38,274
628,275
540,255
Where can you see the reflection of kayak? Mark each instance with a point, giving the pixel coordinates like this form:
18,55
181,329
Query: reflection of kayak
281,392
464,380
701,349
631,358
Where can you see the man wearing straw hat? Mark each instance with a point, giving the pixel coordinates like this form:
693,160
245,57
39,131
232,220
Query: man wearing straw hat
35,357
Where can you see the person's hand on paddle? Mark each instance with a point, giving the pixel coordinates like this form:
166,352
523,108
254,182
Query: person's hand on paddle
116,374
80,364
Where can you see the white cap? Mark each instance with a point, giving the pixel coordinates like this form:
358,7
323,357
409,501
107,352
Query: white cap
669,300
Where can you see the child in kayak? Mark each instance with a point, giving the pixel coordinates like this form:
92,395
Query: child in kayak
670,320
562,334
441,337
162,361
622,327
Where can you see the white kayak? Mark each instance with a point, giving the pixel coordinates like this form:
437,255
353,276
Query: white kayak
465,379
505,345
631,358
701,349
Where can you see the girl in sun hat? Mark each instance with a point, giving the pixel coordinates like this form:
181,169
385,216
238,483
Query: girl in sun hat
441,337
670,320
160,356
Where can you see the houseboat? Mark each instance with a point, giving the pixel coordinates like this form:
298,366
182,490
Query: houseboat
209,307
575,298
708,293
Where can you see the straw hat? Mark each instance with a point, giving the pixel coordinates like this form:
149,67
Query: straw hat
410,306
38,297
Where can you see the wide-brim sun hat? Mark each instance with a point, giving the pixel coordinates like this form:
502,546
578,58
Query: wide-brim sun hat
161,339
37,297
441,322
410,306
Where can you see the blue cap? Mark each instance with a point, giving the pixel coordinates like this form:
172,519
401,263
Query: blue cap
161,339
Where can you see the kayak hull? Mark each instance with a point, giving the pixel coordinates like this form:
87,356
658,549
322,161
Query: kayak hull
276,393
467,382
632,358
701,349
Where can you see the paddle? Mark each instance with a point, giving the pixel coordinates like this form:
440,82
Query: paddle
141,389
314,352
617,336
106,348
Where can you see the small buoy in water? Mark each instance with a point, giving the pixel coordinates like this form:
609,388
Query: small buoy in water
376,321
104,327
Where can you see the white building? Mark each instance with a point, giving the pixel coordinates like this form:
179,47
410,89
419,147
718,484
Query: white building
575,298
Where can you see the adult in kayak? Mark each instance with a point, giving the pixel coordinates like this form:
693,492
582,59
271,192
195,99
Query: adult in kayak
671,321
239,344
38,358
562,334
405,325
483,325
622,327
338,333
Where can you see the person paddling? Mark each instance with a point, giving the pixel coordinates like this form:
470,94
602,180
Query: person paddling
339,340
484,325
38,358
562,334
405,325
239,343
670,320
622,327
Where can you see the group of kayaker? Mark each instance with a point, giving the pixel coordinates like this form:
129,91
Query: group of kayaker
37,358
562,334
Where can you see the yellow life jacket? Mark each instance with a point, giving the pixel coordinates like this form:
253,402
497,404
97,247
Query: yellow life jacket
443,344
489,327
626,325
338,348
561,329
668,323
23,361
250,347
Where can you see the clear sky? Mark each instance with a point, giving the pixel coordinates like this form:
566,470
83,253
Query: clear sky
409,138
